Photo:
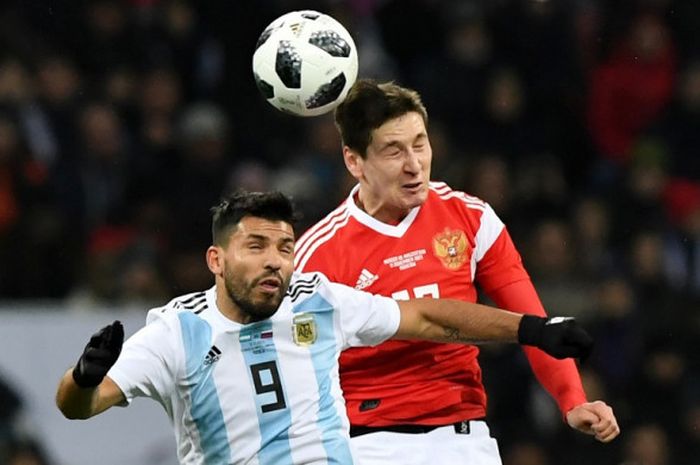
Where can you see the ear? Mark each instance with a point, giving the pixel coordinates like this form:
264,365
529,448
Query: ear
353,162
215,258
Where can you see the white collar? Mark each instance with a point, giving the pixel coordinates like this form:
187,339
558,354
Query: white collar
387,229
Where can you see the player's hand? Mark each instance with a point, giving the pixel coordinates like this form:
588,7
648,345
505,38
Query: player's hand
594,418
99,355
560,337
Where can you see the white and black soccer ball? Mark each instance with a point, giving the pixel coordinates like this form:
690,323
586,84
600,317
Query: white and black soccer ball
304,63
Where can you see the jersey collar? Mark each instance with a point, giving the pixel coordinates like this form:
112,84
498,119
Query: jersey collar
387,229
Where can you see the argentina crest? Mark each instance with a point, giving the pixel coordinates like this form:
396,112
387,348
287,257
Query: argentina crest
304,329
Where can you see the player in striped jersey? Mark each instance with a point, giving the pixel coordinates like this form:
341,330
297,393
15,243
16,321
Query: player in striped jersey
247,371
402,236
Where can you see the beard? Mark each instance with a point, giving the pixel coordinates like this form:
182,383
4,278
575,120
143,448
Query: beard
241,293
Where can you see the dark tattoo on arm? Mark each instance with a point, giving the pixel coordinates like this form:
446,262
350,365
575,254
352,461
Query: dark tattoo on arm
453,335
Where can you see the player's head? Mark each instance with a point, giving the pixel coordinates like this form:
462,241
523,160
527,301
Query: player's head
252,256
386,146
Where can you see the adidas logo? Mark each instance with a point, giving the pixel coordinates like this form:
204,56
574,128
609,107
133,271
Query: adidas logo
296,28
365,280
213,355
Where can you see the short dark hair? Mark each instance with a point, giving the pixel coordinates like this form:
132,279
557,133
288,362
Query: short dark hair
368,105
272,205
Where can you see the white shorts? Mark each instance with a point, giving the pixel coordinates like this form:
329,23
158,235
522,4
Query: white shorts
439,446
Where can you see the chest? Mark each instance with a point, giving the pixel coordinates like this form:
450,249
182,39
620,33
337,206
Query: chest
264,371
262,388
432,259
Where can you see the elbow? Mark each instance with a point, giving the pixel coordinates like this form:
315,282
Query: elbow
72,415
73,411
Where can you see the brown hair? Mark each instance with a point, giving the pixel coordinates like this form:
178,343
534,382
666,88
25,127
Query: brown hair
368,105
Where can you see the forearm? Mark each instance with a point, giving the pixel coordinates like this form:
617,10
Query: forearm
558,377
85,390
74,401
448,320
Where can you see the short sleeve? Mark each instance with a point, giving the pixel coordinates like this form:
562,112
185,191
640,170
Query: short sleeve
365,319
147,365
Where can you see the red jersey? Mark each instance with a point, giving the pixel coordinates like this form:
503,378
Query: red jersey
440,249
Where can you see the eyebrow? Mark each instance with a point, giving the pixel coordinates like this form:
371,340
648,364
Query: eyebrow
395,143
262,237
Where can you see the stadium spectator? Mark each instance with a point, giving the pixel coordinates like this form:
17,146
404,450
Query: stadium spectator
631,87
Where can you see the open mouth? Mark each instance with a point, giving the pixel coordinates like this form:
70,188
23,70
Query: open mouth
413,186
270,284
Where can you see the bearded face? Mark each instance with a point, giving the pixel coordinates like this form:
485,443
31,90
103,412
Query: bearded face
253,269
260,297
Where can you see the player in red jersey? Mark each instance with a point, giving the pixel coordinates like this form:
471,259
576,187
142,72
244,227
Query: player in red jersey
400,235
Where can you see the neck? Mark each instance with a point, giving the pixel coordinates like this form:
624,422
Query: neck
378,210
228,308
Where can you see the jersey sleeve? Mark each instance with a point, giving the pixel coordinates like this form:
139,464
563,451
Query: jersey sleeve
558,377
500,263
502,275
148,362
365,319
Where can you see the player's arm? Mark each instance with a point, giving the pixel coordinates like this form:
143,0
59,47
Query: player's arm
559,377
84,390
502,276
447,320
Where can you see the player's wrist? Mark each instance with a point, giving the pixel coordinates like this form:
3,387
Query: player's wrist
85,380
530,330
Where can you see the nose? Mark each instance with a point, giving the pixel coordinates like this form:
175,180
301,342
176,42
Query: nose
273,259
412,163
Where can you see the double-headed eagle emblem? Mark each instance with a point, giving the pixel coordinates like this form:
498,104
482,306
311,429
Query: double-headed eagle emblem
450,246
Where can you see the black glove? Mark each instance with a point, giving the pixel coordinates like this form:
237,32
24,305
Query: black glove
560,337
99,355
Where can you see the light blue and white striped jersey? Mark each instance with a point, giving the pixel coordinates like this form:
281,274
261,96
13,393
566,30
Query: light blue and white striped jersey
265,393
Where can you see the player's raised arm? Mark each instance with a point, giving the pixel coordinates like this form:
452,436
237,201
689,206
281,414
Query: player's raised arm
447,320
84,391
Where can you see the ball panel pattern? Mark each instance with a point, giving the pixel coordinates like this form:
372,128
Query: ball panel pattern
327,93
304,63
312,15
264,87
264,36
288,65
331,43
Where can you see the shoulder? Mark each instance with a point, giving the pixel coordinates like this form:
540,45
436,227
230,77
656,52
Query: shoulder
475,211
316,284
328,225
440,192
304,285
322,232
182,307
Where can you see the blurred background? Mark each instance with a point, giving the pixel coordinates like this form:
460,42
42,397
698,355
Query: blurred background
122,122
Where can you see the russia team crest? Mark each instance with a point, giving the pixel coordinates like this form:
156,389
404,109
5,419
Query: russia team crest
450,246
304,329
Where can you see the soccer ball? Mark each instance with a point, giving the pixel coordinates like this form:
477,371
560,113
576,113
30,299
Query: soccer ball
304,63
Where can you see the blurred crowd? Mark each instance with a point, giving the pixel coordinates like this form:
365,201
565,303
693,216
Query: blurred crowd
123,121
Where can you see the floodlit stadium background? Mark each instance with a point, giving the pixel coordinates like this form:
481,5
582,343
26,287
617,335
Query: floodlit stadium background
121,123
